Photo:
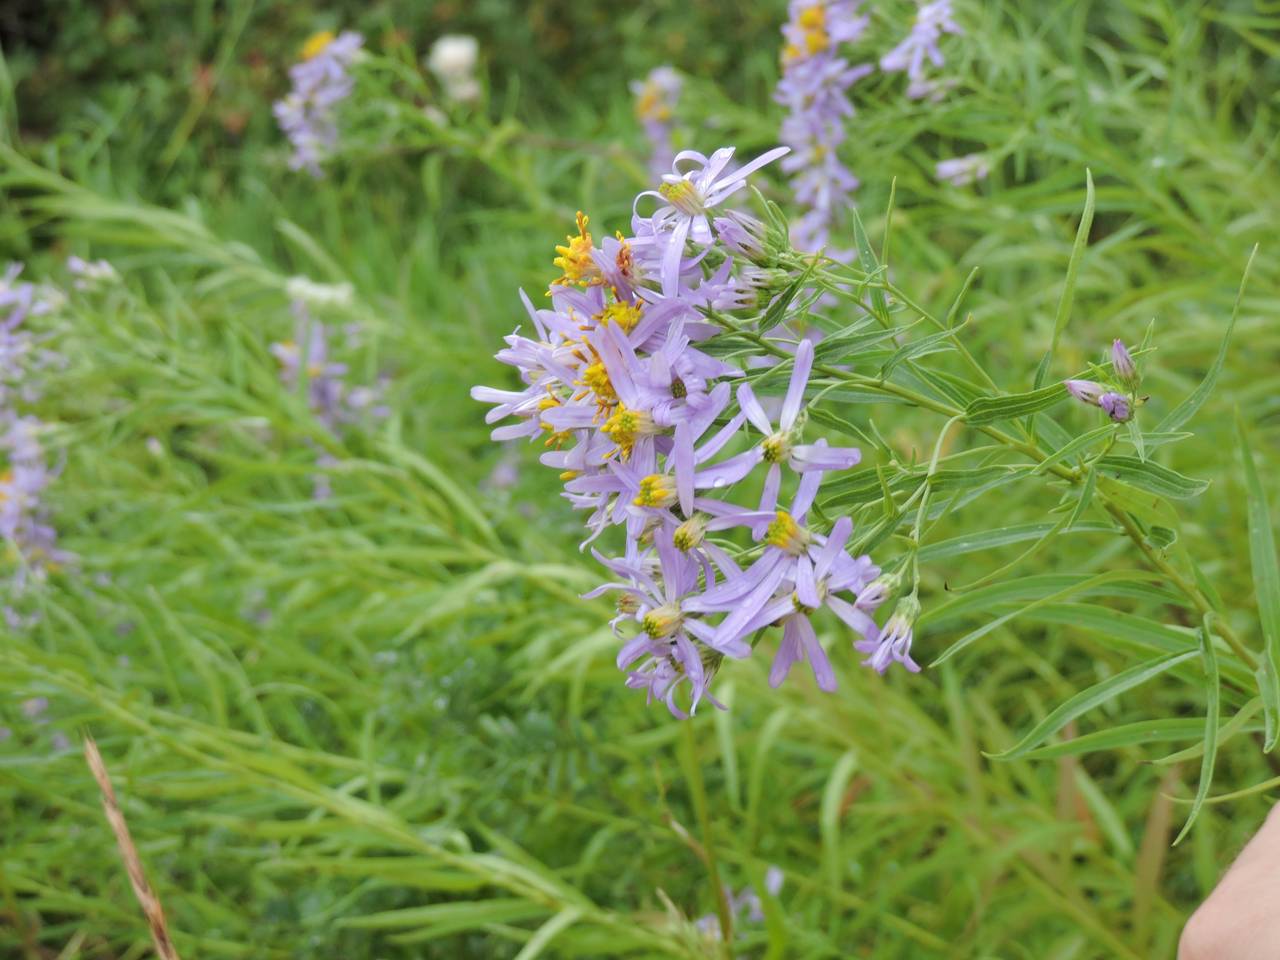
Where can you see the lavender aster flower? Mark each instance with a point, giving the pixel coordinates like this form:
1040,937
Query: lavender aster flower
689,195
894,641
320,82
656,99
920,45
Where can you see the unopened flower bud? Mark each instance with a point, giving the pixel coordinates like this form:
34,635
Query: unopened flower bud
1086,391
1123,365
878,591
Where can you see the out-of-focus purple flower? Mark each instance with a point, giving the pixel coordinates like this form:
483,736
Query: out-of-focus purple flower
91,274
1117,406
332,401
920,45
1126,370
308,114
962,171
814,91
744,906
893,643
656,98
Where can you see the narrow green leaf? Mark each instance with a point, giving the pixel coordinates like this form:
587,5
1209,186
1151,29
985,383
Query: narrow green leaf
548,932
778,309
1076,444
986,410
916,348
1195,400
1266,585
1001,537
1078,587
1086,497
1237,724
1151,476
1212,692
1087,699
1069,286
1114,738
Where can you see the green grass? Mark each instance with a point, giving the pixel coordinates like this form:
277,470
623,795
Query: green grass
385,725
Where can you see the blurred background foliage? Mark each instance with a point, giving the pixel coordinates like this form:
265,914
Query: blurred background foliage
384,725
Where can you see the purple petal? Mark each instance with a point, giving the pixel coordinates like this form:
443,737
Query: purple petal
799,380
751,407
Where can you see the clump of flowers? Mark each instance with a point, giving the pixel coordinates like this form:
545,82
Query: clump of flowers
453,59
655,435
656,97
920,47
24,515
331,400
1118,398
814,91
308,114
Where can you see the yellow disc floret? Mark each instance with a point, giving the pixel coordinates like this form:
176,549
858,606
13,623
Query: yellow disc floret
317,43
776,448
625,426
575,256
662,622
785,534
684,196
625,315
656,490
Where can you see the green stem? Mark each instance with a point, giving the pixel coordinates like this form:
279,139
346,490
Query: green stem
698,790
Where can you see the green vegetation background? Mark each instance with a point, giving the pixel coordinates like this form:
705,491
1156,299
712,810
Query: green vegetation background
384,725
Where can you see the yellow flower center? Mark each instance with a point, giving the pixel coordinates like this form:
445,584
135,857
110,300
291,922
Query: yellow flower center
575,256
776,448
813,27
625,426
652,105
684,196
690,533
625,315
785,534
317,43
656,490
596,379
662,622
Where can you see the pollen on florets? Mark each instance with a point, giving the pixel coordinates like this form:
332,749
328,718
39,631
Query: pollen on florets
656,490
626,426
690,534
662,622
776,448
684,196
317,43
575,261
785,534
625,315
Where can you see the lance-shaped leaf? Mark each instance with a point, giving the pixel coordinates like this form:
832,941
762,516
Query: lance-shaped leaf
1151,476
986,410
1087,699
1212,693
1266,584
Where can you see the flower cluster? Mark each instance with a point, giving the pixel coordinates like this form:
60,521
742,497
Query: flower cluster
333,402
308,114
1119,398
814,90
656,99
24,516
933,19
642,419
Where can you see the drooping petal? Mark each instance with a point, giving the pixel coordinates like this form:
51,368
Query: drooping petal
751,407
799,380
